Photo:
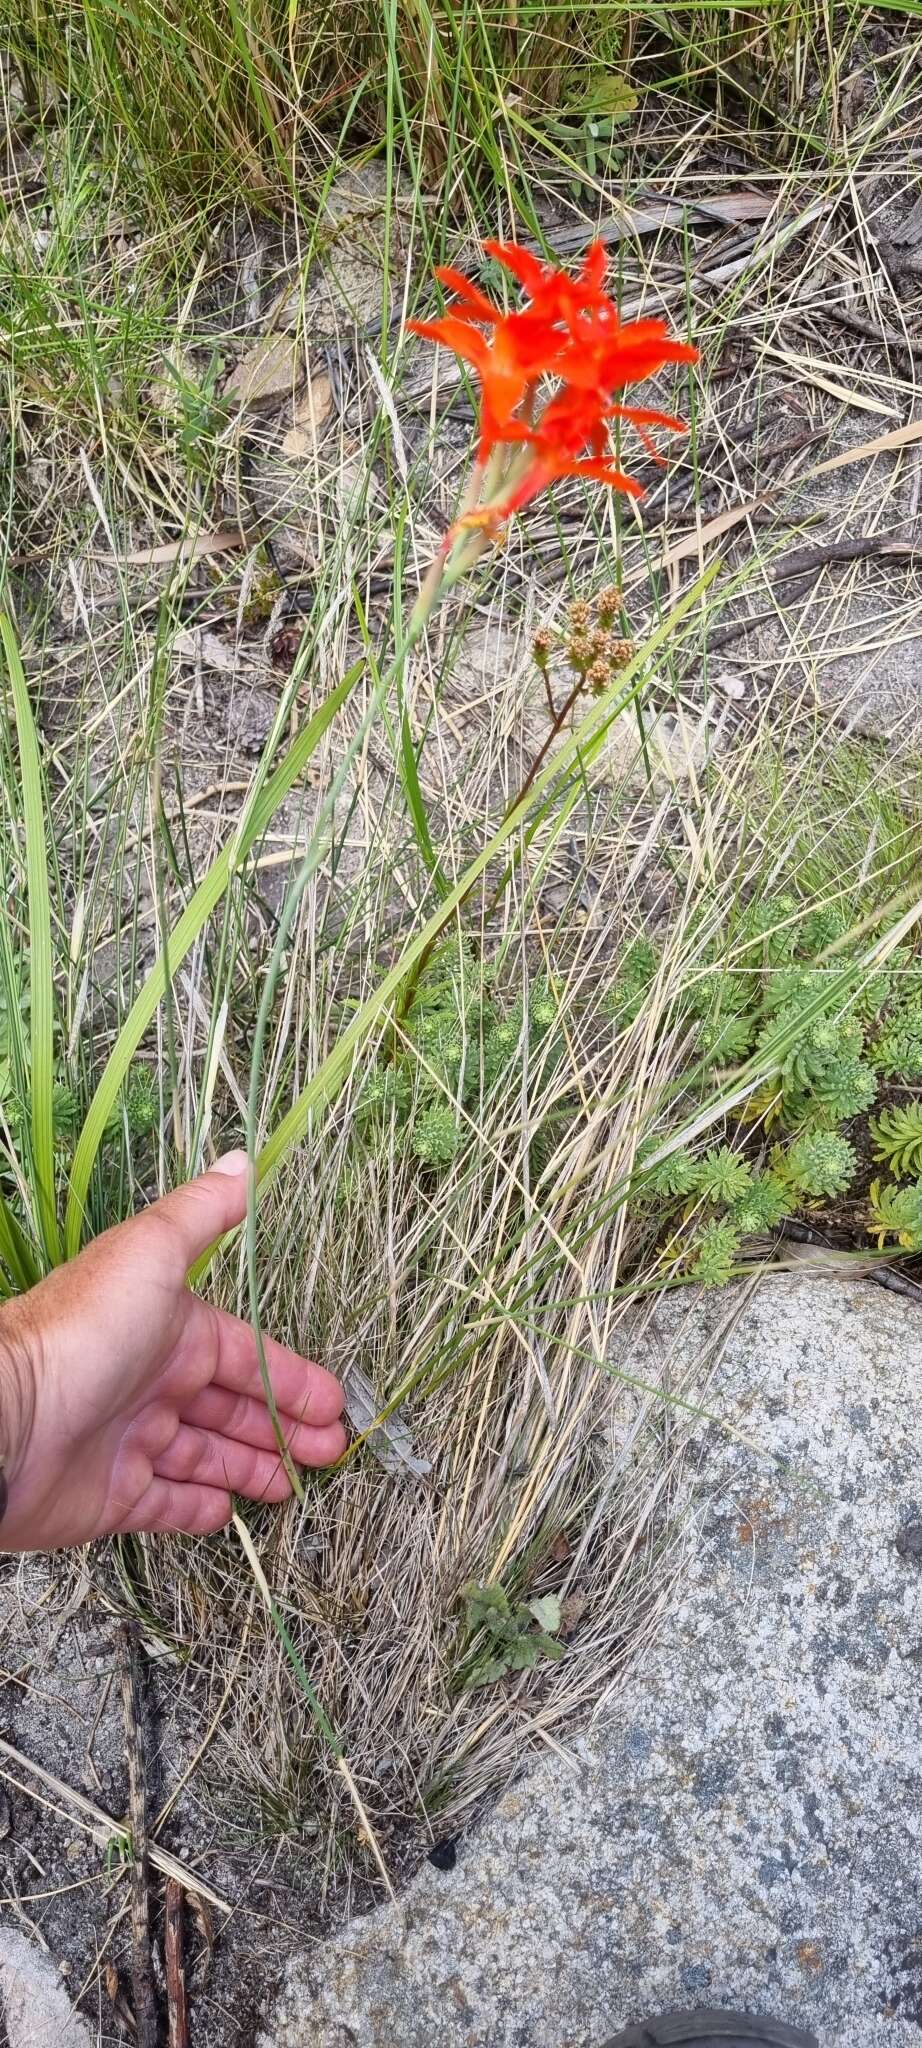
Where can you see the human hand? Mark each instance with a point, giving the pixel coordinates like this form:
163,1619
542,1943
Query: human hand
127,1402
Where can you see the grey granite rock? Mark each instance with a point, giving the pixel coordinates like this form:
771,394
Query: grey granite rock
744,1829
34,2008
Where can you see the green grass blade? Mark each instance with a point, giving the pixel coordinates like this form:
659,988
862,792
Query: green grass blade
16,1253
183,935
333,1070
41,972
319,1713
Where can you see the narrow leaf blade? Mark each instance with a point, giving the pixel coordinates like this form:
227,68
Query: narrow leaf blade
183,935
41,971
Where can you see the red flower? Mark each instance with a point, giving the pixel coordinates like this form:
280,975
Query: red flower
554,294
570,330
570,424
505,369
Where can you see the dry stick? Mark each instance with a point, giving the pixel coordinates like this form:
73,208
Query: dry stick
142,1983
100,1824
843,1261
884,336
804,562
727,209
175,1967
692,545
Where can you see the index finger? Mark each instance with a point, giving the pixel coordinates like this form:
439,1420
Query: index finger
301,1388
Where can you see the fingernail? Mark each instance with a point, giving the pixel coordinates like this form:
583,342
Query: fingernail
230,1162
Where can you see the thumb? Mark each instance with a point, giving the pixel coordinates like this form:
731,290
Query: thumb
205,1208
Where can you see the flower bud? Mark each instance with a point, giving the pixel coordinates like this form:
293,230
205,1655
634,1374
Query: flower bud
542,647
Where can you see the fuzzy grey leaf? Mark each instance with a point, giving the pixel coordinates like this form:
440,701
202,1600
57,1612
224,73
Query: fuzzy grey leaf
391,1442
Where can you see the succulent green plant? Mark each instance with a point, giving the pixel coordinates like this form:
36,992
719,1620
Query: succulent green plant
723,1177
764,1205
817,1164
676,1175
897,1136
633,980
897,1212
715,1252
435,1136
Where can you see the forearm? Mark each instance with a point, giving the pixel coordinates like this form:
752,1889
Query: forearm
17,1398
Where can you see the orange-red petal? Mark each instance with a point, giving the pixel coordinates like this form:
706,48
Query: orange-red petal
530,273
475,304
595,265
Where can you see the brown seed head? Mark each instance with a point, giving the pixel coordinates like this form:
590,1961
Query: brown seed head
620,652
579,615
608,603
599,676
580,652
542,646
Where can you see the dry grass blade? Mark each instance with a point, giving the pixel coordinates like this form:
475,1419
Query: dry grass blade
104,1830
367,1831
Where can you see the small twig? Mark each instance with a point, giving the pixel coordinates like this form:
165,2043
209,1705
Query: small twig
884,336
175,1967
557,724
873,1269
142,1982
655,213
804,562
98,1823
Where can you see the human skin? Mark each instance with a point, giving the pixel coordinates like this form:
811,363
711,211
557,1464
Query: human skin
127,1402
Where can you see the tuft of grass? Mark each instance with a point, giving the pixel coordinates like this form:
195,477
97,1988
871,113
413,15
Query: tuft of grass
487,1298
204,102
495,1031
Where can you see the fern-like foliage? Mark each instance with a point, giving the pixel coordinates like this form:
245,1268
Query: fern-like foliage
722,1176
873,994
896,1048
456,1044
717,992
435,1136
845,1088
676,1176
386,1093
725,1037
767,932
823,1077
764,1205
897,1052
715,1252
635,976
817,1164
897,1135
791,988
897,1212
823,927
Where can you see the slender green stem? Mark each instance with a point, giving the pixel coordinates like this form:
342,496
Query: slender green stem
290,907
